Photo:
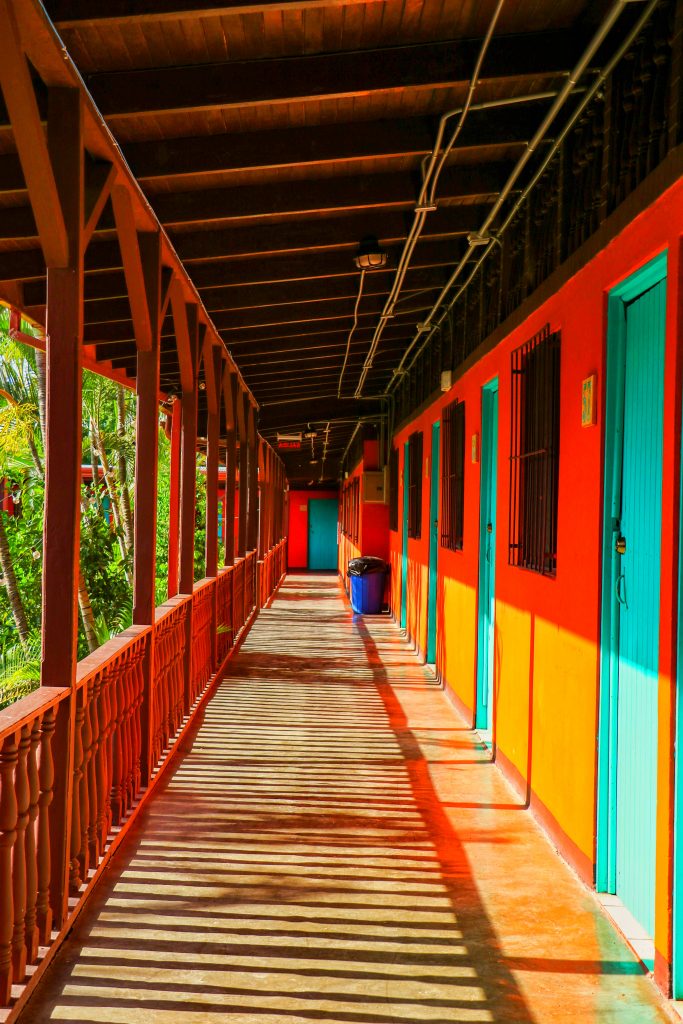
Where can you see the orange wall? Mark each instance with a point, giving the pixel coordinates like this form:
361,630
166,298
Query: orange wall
546,670
297,532
373,534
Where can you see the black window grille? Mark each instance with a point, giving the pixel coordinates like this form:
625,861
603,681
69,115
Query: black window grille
535,453
453,476
355,510
415,484
393,489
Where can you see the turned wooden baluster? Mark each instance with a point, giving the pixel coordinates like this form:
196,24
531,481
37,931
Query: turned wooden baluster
94,848
75,876
46,781
130,728
23,796
103,767
116,799
8,826
126,735
84,787
139,677
30,929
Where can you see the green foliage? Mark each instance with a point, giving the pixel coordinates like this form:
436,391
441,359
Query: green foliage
104,571
200,521
19,671
25,538
163,515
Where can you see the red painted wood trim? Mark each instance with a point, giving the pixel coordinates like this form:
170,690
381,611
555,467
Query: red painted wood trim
174,500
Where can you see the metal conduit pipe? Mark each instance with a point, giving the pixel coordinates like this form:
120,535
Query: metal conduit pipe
428,205
561,98
523,196
422,208
351,332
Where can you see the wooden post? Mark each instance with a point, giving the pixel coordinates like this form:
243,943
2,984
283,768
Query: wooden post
61,531
188,480
263,500
174,499
212,460
243,426
230,397
252,521
146,467
188,464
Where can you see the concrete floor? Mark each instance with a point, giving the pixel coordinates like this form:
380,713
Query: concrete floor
334,845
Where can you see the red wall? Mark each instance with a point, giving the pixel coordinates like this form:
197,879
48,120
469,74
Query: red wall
297,532
547,640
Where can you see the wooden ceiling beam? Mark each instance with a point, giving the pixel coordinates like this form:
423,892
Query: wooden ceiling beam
389,226
293,199
279,149
311,78
314,294
285,202
343,232
81,14
227,274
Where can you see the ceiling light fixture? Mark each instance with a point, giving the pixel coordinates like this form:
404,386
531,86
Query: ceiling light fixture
370,256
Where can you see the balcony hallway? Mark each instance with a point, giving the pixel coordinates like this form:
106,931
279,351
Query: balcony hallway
333,844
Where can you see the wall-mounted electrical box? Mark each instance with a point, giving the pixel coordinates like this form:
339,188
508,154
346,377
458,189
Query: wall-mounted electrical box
374,488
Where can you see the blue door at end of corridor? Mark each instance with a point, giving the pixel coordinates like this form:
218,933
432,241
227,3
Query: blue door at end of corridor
433,545
322,533
404,549
631,575
487,556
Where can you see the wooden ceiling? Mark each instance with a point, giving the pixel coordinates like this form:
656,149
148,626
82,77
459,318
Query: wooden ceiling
270,138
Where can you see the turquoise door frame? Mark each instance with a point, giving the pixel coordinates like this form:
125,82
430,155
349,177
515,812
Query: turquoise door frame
624,823
404,552
487,555
322,533
433,544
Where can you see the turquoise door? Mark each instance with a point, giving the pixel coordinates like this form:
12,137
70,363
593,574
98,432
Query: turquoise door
631,560
487,556
433,545
322,533
404,555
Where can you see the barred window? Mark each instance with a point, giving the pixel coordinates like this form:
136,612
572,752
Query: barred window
355,510
393,489
415,484
453,476
535,453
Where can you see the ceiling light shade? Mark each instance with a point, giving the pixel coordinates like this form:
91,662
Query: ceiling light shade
370,256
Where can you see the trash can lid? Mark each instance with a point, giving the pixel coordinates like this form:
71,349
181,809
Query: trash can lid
366,564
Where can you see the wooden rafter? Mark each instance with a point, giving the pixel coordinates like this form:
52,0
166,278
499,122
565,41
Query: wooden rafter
442,65
22,106
99,180
76,13
129,242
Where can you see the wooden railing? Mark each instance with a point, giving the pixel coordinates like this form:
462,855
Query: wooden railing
271,569
75,764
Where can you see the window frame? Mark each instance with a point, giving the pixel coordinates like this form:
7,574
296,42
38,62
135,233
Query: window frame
453,420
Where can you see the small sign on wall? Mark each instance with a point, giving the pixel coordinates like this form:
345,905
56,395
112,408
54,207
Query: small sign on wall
475,447
589,411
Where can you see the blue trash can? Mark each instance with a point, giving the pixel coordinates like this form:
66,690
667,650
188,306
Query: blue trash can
367,576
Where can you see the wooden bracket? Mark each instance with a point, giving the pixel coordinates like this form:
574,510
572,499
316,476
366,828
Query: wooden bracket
124,215
99,179
22,106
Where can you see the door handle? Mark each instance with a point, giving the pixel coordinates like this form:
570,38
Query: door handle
621,583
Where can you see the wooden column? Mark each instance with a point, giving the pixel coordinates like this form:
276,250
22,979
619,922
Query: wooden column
147,442
243,427
230,398
174,499
61,555
262,490
213,392
252,521
146,483
188,463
